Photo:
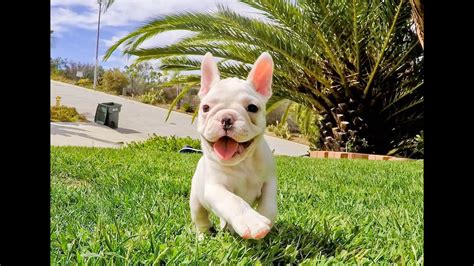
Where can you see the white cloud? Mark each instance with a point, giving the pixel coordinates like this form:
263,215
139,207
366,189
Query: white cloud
127,12
64,18
166,38
116,61
66,15
161,39
109,42
73,2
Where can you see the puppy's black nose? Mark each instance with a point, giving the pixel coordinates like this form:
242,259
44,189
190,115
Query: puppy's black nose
227,122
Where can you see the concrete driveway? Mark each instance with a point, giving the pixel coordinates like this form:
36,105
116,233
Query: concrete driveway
137,121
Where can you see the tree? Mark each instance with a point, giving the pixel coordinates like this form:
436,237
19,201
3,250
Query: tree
58,65
142,77
357,64
418,11
115,80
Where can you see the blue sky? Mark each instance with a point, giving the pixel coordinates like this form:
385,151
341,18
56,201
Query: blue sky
75,25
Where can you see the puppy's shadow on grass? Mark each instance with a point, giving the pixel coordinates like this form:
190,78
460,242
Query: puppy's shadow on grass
291,244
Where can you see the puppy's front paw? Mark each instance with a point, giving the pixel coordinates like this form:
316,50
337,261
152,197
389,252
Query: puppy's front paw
251,224
201,234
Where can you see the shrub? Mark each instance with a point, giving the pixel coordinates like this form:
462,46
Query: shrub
419,144
281,130
413,148
170,94
307,123
114,80
68,69
189,102
187,107
161,143
60,77
66,114
153,96
84,82
352,145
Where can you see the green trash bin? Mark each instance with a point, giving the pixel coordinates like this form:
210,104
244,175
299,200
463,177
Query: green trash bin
108,114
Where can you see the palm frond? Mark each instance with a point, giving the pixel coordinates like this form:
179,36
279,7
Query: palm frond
383,49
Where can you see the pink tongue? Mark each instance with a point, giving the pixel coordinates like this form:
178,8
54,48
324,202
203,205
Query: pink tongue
225,148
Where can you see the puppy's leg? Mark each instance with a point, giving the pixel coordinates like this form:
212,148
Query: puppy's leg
267,203
244,219
223,223
199,214
226,225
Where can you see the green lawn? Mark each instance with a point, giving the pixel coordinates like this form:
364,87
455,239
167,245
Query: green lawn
130,206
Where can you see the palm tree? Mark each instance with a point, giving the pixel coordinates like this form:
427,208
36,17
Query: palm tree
107,4
356,63
418,11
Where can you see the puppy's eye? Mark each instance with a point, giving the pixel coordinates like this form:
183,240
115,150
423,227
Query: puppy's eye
205,108
252,108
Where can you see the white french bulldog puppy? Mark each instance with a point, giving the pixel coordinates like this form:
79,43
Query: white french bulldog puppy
237,170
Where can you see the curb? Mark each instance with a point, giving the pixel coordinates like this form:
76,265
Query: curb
353,155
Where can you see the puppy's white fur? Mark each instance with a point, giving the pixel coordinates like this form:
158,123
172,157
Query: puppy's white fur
231,188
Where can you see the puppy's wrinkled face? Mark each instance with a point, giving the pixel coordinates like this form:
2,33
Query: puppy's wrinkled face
232,111
231,115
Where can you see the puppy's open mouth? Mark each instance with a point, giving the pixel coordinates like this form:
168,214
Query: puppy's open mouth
226,148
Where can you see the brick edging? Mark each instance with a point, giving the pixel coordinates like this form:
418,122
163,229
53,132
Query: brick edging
353,155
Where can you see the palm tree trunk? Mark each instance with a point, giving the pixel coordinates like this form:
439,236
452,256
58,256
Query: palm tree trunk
342,127
418,17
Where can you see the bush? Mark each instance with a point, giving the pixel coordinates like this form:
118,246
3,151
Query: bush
170,94
114,80
193,91
60,77
160,143
419,144
307,123
68,69
411,148
187,107
281,130
352,145
66,114
153,96
84,82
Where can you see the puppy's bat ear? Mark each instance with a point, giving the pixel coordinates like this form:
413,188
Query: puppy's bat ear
261,75
209,74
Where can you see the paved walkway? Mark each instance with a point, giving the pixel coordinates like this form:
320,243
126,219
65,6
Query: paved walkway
137,121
